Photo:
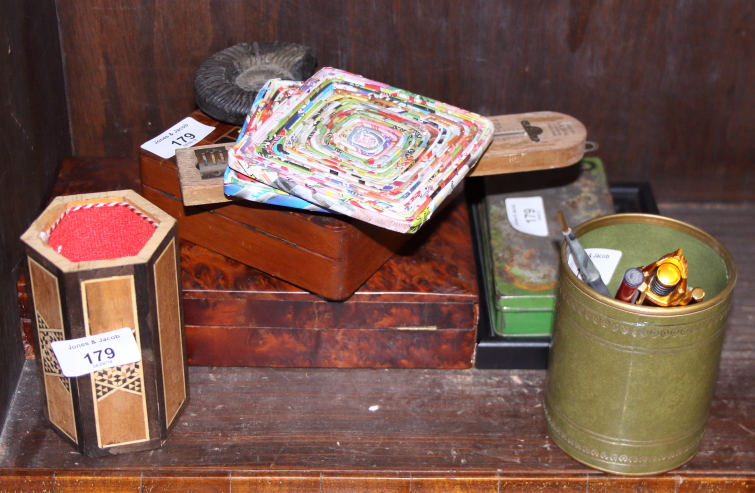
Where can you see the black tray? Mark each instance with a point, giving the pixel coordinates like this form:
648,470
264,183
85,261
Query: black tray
531,353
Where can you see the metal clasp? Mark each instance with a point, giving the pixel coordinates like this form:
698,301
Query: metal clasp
212,161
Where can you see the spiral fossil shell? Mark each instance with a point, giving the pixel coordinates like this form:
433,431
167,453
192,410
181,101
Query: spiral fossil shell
227,82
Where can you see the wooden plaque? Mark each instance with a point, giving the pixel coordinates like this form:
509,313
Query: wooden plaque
531,142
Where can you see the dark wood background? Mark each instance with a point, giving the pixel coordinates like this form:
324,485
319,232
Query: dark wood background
666,88
34,138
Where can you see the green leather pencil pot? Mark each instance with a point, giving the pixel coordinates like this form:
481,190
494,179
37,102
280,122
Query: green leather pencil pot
629,386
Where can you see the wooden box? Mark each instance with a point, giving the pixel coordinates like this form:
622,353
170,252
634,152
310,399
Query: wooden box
326,254
419,310
128,407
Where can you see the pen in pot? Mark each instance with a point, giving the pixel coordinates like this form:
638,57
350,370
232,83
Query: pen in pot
583,261
629,288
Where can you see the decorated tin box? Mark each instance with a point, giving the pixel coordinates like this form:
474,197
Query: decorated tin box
521,236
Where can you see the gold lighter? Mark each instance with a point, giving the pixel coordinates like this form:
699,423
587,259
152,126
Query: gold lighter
666,281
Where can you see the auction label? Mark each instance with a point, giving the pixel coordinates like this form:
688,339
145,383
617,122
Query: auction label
527,214
186,133
81,356
605,261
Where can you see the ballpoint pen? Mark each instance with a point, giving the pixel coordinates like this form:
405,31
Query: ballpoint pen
583,261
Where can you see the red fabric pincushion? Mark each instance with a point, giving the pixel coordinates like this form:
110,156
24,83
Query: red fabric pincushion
99,233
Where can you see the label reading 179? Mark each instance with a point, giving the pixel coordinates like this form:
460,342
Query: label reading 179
527,214
186,133
109,354
81,356
181,140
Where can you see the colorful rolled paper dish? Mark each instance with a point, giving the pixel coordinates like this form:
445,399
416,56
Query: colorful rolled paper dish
359,147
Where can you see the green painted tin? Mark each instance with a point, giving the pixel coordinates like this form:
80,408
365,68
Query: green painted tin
521,269
629,387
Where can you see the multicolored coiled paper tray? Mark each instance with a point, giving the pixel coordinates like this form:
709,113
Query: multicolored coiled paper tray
358,147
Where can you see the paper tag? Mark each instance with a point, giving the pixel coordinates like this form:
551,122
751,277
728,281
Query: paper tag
186,133
605,261
81,356
527,214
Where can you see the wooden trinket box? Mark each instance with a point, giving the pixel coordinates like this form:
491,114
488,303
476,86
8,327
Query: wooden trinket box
330,255
98,263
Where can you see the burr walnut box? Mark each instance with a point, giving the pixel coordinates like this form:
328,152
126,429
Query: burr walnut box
418,310
330,255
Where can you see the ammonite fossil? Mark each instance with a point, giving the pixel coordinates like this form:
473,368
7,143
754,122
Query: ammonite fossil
227,82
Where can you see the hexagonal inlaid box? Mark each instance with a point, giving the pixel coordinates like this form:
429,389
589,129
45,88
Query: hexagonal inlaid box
98,263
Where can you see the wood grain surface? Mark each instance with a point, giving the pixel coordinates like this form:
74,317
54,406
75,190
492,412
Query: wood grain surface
169,330
46,295
417,311
120,416
556,141
49,315
665,88
109,304
76,175
34,137
464,430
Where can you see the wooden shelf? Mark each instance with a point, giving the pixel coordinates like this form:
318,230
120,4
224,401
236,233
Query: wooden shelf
394,430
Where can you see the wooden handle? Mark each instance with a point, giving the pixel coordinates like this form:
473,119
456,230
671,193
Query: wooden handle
532,141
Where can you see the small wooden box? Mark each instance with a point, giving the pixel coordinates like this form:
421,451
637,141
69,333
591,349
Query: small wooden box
130,407
330,255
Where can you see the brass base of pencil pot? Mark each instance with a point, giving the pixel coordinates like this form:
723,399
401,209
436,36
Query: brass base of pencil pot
629,387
